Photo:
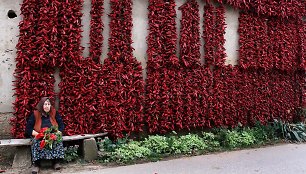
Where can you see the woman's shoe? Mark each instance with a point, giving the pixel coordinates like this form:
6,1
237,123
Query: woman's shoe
57,166
35,169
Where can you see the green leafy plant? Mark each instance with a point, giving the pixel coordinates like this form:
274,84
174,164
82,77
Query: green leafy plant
106,145
264,133
237,138
155,147
188,144
157,144
290,131
210,140
130,152
71,153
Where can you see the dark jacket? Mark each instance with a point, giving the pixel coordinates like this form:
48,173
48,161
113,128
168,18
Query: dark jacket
45,122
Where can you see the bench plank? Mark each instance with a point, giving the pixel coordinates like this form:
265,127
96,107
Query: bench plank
24,142
83,136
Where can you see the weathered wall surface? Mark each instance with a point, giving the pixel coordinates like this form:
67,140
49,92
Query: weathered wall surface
9,32
8,39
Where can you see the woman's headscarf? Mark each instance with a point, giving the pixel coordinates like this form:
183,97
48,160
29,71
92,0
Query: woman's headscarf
40,105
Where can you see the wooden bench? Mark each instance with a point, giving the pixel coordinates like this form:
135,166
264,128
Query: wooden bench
22,156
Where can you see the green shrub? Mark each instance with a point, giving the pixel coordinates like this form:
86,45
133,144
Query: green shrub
71,153
247,138
187,144
290,131
235,138
108,146
156,147
264,133
157,144
129,152
210,140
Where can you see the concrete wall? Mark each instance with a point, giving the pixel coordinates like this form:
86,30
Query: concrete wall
8,39
9,32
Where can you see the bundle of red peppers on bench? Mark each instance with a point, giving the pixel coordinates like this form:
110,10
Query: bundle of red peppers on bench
49,137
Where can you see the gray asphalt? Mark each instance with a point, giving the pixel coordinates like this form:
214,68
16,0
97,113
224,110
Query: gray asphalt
280,159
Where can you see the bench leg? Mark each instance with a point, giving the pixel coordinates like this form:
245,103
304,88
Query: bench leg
89,149
22,158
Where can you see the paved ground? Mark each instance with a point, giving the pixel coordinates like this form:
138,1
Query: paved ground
280,159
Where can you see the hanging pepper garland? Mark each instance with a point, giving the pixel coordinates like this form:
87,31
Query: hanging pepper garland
268,43
46,35
30,86
71,67
213,34
153,85
190,34
222,107
80,100
33,80
302,52
253,40
22,74
195,77
208,34
162,95
278,8
79,89
70,33
154,63
122,86
283,44
255,95
96,30
90,70
219,39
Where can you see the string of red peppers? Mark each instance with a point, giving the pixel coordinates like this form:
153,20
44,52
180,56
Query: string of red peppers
96,30
302,36
249,96
283,44
90,71
302,55
32,81
219,39
213,34
208,34
42,64
21,74
171,72
163,69
79,88
278,8
153,84
253,41
276,46
71,67
122,86
223,110
46,35
269,49
195,77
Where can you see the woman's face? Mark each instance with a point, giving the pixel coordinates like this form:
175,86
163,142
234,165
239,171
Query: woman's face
47,106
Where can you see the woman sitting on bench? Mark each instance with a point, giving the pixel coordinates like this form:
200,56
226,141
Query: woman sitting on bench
45,116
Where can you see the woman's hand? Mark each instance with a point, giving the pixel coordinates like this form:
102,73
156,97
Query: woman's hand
34,133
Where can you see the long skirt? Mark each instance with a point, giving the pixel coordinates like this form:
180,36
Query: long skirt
57,151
